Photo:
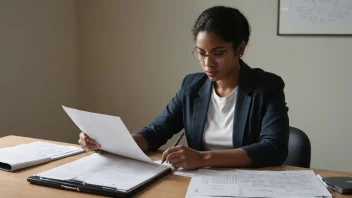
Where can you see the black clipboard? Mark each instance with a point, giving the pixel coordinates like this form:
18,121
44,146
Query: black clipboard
79,186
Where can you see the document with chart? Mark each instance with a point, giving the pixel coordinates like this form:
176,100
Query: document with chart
247,183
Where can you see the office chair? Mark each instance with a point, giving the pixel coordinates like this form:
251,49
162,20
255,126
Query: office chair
299,150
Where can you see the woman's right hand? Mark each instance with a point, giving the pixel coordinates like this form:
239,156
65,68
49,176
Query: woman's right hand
87,143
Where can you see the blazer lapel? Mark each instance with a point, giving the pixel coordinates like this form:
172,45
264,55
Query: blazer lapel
200,113
241,113
242,106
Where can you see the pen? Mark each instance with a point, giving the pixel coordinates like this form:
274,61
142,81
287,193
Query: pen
321,180
178,141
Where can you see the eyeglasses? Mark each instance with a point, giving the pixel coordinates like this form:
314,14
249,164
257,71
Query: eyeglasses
200,56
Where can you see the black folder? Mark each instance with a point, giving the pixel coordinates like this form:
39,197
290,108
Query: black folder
79,186
342,185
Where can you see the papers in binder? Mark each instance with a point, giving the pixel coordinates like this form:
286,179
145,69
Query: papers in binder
108,170
124,167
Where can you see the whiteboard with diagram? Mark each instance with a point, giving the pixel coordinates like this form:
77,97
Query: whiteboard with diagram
314,17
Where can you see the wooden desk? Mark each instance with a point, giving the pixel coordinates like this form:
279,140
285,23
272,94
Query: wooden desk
14,185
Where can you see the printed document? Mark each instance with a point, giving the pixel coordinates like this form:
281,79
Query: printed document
244,183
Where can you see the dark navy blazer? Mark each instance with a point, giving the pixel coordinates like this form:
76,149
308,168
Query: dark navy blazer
260,127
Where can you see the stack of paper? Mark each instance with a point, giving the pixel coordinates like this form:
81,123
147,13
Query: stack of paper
109,170
243,183
25,155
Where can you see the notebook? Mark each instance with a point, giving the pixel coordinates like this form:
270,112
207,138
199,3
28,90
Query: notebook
341,185
26,155
120,170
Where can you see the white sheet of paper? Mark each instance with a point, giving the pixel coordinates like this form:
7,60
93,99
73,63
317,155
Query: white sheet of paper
106,170
109,131
256,184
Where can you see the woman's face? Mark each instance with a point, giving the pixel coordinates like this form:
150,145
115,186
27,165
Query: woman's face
217,57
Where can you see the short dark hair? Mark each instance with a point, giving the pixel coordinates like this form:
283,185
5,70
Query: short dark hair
226,22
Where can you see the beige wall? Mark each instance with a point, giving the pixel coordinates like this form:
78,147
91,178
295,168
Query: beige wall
134,54
38,68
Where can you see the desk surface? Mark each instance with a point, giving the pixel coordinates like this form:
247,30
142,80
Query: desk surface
15,184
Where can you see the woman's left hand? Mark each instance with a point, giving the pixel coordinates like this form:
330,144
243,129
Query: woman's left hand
183,157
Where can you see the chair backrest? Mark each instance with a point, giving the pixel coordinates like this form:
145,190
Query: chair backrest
299,150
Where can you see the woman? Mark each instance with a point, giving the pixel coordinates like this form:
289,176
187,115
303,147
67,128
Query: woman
233,115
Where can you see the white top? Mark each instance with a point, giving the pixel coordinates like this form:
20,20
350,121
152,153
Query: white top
218,126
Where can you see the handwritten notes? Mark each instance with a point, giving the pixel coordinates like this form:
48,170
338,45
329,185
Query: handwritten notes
320,12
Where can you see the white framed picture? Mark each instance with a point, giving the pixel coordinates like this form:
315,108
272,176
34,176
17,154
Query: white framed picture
314,17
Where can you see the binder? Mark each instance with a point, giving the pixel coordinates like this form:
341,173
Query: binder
119,170
102,174
83,187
